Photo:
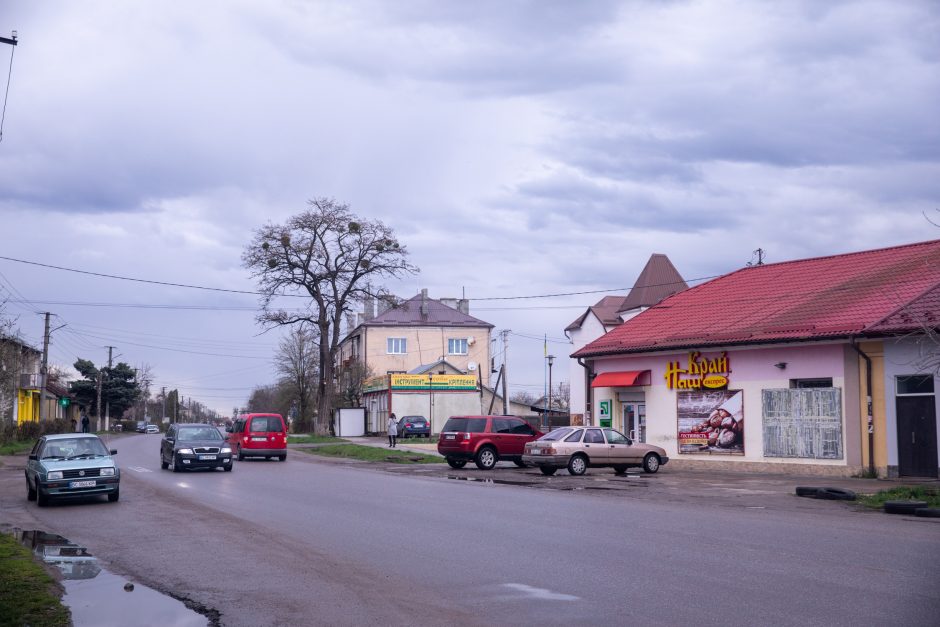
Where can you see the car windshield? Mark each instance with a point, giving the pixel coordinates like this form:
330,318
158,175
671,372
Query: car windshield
74,448
201,433
556,434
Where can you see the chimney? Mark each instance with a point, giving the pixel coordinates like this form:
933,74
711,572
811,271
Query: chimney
450,302
424,302
463,306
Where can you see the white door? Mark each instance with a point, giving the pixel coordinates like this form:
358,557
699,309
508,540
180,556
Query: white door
634,421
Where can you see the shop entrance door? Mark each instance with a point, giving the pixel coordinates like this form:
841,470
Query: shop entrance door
634,421
917,436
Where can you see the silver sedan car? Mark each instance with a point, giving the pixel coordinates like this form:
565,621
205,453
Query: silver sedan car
580,448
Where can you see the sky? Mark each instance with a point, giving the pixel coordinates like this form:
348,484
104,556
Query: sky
517,148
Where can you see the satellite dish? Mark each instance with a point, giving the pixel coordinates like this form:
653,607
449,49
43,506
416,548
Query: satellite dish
471,366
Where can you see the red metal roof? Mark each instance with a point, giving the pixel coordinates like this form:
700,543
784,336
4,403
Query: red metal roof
807,299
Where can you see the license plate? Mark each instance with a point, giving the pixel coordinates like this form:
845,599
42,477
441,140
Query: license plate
450,437
258,439
206,457
536,451
82,484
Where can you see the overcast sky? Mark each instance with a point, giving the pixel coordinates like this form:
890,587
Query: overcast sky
516,148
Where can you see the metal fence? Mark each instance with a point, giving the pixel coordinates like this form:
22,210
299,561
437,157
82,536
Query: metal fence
803,422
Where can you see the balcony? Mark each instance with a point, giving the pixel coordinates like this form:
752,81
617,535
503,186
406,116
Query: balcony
31,381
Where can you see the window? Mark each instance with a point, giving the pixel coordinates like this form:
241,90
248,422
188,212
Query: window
615,437
915,384
594,436
557,434
803,423
574,437
397,346
457,346
502,425
521,427
810,383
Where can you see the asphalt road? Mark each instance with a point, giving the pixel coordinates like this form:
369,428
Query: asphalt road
319,542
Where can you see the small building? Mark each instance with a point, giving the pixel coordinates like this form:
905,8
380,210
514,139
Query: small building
659,279
826,365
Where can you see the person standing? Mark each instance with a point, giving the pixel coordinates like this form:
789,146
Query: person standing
84,422
392,429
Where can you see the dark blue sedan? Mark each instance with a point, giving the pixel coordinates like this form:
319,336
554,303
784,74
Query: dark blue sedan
417,426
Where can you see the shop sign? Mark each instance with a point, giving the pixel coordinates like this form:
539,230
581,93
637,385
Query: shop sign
699,373
434,382
604,413
375,384
711,422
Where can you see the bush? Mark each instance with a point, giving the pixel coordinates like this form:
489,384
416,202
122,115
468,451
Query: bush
31,430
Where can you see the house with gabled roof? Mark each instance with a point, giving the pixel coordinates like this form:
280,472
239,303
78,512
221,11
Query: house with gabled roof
443,350
658,280
827,365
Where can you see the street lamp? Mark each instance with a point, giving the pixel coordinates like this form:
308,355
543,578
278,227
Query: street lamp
551,359
430,403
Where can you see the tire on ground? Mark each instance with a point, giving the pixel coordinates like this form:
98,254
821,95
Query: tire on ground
927,512
908,507
835,494
806,491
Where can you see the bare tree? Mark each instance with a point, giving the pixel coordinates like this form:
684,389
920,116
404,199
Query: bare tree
524,397
351,377
297,364
11,357
332,256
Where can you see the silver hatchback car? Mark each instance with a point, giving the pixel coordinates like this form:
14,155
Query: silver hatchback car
580,448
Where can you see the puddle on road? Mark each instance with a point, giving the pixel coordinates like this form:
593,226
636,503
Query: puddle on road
101,598
534,484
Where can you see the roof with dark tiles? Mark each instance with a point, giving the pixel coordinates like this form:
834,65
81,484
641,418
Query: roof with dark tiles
436,313
857,294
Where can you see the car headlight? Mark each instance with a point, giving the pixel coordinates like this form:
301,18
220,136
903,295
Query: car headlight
226,450
55,474
185,451
107,472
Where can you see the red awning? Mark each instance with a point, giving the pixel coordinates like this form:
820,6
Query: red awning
624,379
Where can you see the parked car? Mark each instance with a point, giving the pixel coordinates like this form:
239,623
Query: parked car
190,446
71,465
153,429
417,426
580,448
259,435
485,440
142,426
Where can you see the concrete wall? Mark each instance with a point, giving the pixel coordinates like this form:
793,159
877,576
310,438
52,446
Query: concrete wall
903,357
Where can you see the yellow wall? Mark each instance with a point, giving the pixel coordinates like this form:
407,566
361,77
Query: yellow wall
875,350
28,406
426,345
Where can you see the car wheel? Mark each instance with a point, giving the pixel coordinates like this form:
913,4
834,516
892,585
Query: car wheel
241,457
30,492
486,458
114,496
227,467
519,463
548,471
456,463
163,464
282,458
173,465
577,465
651,463
42,499
621,470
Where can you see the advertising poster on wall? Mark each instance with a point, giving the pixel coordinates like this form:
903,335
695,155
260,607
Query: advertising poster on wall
711,422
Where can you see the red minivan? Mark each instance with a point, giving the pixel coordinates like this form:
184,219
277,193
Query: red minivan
258,435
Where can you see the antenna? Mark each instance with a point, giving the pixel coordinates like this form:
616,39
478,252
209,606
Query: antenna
760,258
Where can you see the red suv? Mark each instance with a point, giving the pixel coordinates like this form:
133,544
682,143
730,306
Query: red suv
485,440
258,435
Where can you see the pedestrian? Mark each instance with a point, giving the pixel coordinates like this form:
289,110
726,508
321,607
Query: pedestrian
392,430
84,422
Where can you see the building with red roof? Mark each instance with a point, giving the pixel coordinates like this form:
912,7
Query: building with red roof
798,348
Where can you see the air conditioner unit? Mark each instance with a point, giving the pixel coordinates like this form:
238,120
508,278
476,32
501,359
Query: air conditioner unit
471,341
472,366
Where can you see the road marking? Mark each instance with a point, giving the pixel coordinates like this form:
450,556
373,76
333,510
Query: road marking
540,593
138,469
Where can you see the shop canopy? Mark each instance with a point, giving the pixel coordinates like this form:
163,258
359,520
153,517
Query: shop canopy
621,379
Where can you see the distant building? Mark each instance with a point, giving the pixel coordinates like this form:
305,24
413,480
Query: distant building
659,279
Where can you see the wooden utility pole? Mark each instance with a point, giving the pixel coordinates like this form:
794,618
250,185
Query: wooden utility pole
505,334
107,404
43,371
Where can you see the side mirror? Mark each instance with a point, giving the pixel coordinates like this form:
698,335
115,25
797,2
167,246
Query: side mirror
228,429
114,451
33,457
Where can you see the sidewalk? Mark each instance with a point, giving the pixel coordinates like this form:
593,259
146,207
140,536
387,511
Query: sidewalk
412,445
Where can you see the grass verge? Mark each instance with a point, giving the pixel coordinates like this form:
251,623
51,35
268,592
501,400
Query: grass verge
920,493
372,454
27,592
305,438
11,448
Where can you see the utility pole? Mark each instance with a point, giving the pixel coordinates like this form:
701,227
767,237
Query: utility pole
163,393
98,407
43,371
107,404
505,334
548,418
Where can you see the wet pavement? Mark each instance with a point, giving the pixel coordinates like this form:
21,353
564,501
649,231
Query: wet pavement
99,598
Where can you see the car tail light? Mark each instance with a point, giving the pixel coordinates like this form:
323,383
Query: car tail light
466,436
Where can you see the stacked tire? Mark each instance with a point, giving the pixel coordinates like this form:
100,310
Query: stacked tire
911,507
